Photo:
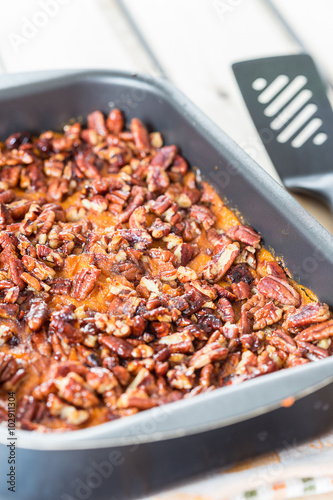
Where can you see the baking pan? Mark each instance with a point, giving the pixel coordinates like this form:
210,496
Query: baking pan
135,456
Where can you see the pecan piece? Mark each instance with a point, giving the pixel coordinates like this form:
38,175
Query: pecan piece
283,341
274,269
101,379
220,263
161,205
240,273
8,366
280,290
157,179
159,229
17,139
117,345
242,290
203,215
244,234
66,331
267,315
16,269
5,216
96,122
10,175
37,315
316,332
40,270
73,389
140,135
11,373
164,157
313,351
185,274
85,282
306,315
181,377
115,121
9,311
208,354
31,281
5,334
226,310
66,412
184,253
7,196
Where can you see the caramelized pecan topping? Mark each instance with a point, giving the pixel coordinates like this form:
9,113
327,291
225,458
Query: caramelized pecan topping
125,283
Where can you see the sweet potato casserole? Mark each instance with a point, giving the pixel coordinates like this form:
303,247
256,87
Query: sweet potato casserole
126,283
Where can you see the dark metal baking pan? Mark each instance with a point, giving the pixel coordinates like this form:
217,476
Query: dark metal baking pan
155,449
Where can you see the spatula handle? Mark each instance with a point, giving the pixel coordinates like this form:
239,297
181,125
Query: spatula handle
318,185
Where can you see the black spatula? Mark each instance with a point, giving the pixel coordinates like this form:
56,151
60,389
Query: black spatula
288,104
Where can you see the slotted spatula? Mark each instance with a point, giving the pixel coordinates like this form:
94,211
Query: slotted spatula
288,104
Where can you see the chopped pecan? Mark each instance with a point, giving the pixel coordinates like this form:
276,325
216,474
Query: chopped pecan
280,290
161,205
240,273
40,270
138,219
157,180
274,269
266,316
313,351
72,388
17,139
42,344
11,373
96,122
85,282
221,263
283,341
208,354
244,234
46,253
37,315
115,121
179,167
164,157
184,253
306,315
226,310
10,175
140,135
159,229
66,331
203,215
16,269
185,274
5,334
101,379
242,290
117,345
316,332
32,282
66,412
9,310
7,196
181,377
135,202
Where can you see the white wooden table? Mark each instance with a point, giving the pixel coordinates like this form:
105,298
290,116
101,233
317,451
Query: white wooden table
196,41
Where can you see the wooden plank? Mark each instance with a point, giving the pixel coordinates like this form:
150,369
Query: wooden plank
52,34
